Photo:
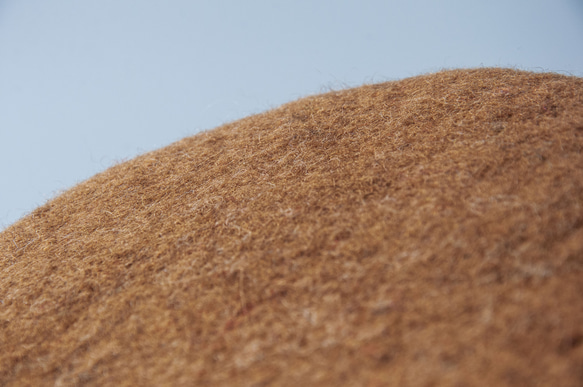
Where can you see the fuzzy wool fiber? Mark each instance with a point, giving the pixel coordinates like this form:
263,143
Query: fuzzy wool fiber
421,232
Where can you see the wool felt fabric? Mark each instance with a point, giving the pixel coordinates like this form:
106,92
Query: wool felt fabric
421,232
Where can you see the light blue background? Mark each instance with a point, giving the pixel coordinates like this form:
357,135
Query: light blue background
87,83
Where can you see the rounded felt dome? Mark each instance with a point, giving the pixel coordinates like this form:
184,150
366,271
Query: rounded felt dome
427,231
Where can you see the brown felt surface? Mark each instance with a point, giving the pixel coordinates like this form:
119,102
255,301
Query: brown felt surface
423,232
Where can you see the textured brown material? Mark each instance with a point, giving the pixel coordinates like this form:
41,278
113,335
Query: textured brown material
422,232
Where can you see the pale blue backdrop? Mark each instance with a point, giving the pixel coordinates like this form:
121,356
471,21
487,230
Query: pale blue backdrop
87,83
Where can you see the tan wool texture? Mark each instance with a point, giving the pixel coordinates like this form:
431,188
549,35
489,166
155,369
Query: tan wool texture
420,232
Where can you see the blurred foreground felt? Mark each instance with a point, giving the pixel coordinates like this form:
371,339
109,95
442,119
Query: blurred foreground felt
421,232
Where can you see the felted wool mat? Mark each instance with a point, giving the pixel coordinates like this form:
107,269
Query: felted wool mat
421,232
